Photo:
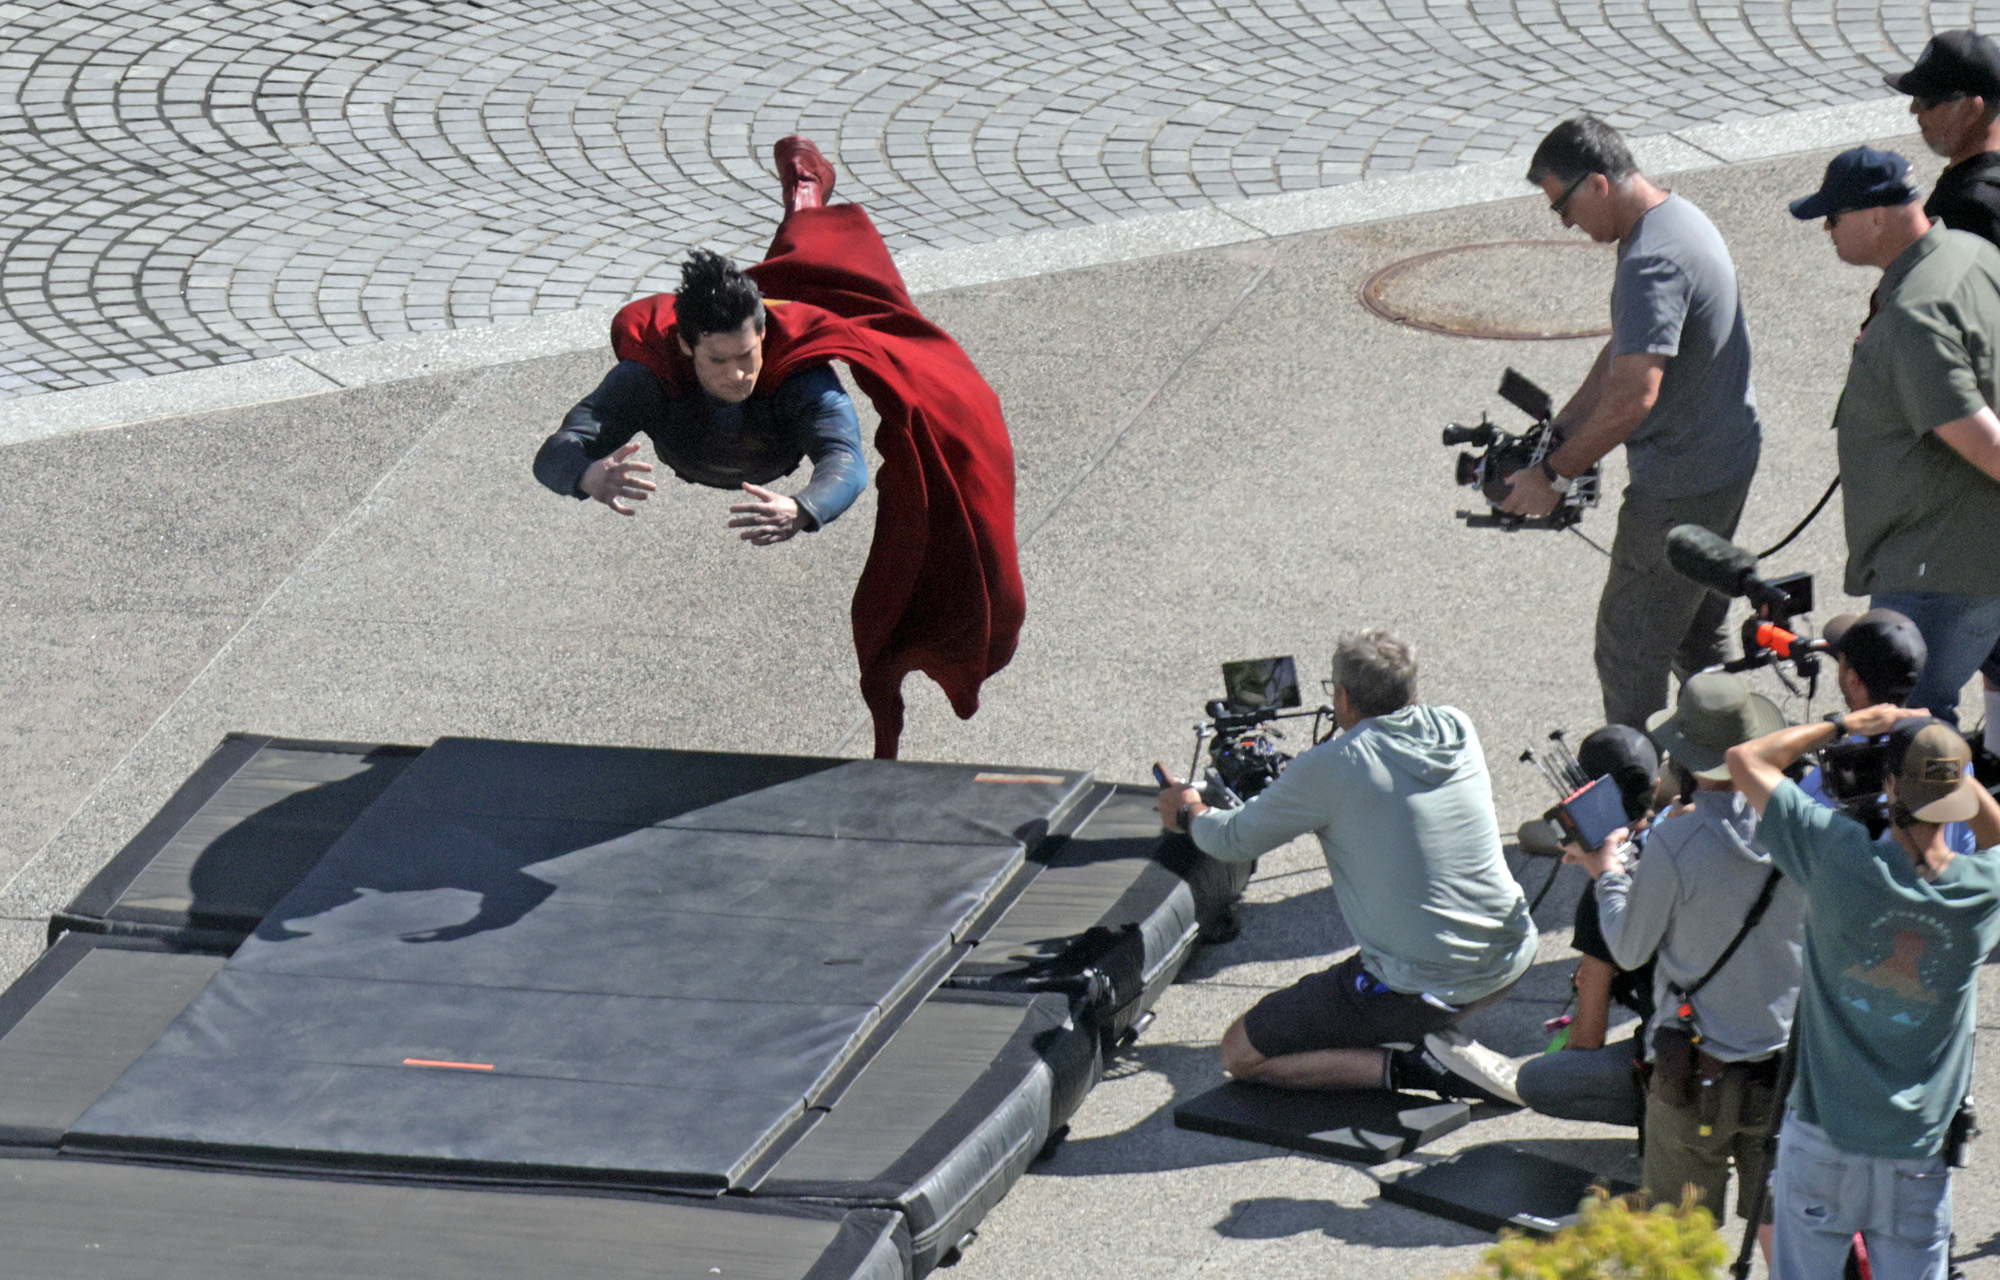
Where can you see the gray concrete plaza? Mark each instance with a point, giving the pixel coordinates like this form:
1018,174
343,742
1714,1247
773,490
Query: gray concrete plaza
196,182
1222,454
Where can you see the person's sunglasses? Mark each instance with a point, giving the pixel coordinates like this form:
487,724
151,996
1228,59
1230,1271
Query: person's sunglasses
1932,104
1561,202
1833,218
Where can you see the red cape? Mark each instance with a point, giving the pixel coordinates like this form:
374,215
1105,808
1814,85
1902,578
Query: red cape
941,592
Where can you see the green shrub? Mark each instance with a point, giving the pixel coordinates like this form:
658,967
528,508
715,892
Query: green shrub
1614,1241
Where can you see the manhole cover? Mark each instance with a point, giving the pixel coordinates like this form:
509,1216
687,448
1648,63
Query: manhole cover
1513,289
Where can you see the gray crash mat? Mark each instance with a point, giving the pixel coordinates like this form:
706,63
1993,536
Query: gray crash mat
1365,1126
946,1117
522,962
233,840
1104,919
1495,1186
94,1220
72,1024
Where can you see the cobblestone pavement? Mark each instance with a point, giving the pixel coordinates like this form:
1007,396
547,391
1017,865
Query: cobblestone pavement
188,184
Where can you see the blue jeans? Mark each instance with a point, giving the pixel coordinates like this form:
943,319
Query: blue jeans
1959,631
1902,1208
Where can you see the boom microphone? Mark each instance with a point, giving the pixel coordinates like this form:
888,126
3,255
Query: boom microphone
1719,565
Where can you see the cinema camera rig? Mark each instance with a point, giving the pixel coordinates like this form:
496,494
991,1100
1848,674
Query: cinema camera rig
1239,734
1505,453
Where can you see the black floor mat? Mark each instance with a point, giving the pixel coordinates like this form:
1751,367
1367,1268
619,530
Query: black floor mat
94,1220
1496,1186
1365,1126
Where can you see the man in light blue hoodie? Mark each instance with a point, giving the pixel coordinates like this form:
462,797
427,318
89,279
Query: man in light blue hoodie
1403,808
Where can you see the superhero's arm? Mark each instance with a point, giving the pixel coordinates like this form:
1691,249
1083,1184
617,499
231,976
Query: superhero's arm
833,442
629,397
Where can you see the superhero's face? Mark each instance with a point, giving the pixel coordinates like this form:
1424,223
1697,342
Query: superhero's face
728,363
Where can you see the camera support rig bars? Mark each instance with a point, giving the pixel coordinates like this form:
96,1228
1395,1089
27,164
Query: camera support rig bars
1504,454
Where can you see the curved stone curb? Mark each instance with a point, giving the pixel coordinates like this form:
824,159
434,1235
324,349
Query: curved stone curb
927,271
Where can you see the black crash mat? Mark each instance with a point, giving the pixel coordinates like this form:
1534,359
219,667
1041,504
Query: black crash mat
946,1117
512,966
1495,1186
233,840
93,1220
1366,1126
72,1024
1104,901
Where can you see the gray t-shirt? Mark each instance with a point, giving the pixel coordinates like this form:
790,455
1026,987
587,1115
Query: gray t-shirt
1675,296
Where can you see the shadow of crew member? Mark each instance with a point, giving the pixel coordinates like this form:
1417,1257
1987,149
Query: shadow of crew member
1896,931
1402,807
1726,931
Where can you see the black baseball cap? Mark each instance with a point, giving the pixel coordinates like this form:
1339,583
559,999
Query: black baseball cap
1885,649
1861,178
1631,759
1954,62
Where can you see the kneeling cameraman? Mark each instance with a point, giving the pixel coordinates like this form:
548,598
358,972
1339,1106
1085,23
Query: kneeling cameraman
1896,929
1403,808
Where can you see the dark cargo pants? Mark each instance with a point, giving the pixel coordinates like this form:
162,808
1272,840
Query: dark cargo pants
1651,620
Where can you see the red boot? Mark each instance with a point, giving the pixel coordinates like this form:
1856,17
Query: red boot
803,172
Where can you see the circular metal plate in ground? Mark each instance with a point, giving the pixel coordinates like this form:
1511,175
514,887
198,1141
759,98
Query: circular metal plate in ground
1512,289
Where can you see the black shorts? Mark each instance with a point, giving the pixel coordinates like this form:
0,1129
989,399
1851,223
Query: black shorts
1344,1007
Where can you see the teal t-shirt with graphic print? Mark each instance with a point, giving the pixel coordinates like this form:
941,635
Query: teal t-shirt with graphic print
1886,1016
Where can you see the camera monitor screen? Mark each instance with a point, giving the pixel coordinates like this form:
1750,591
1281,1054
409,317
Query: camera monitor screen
1256,684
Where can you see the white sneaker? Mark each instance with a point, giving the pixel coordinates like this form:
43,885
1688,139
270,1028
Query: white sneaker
1469,1060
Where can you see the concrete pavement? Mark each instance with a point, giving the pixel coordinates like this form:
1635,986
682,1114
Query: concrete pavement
1223,454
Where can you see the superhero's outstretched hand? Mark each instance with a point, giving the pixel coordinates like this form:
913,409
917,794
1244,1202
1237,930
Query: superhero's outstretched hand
772,518
614,478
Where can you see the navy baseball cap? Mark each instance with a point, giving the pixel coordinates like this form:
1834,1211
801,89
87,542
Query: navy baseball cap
1954,62
1862,178
1885,649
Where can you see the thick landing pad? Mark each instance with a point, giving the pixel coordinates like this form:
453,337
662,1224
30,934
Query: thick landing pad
234,840
72,1024
1105,919
1369,1127
944,1120
1494,1186
651,964
88,1220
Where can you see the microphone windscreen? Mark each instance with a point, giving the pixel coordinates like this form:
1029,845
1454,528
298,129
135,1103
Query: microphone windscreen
1713,561
1539,838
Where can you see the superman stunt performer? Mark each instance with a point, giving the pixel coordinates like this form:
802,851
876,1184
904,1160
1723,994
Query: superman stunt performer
734,387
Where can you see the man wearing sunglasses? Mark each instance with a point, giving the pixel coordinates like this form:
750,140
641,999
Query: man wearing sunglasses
1955,95
1673,386
1918,439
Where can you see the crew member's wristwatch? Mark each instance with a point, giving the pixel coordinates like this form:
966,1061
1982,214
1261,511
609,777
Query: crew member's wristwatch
1557,481
1838,719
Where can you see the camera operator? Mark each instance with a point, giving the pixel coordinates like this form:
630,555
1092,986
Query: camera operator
1403,809
1881,655
1727,930
1673,386
1918,439
1588,1079
1896,929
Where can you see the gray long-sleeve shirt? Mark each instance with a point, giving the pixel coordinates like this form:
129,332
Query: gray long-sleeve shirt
1403,809
1686,899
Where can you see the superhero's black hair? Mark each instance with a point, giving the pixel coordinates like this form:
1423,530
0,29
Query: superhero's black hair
715,297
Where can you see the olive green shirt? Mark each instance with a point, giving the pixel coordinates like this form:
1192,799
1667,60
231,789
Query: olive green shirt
1919,516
